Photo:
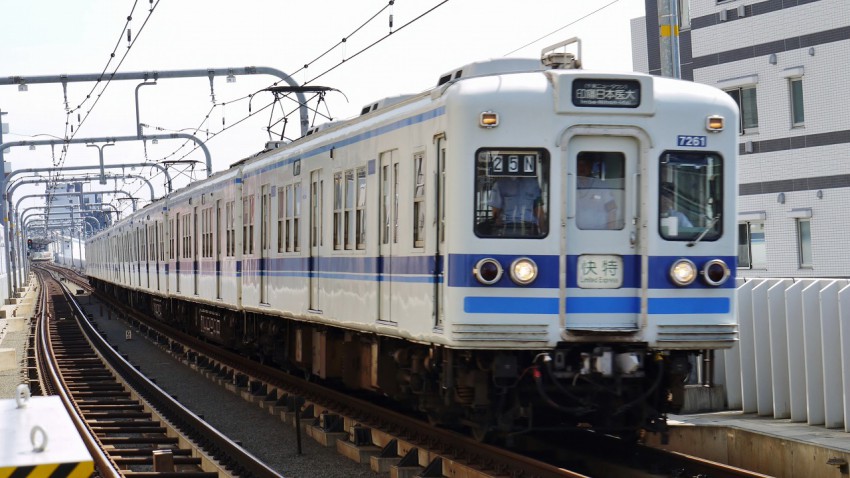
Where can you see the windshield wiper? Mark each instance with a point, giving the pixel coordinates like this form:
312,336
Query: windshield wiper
705,231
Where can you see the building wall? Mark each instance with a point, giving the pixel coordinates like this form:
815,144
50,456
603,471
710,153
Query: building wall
808,165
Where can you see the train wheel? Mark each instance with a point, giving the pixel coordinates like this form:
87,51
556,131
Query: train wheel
481,433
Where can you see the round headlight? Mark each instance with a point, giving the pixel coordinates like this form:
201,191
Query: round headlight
715,272
683,272
488,271
523,271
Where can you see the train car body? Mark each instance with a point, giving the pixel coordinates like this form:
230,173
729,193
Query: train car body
522,246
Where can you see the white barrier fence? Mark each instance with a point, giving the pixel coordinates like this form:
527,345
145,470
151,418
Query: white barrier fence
794,341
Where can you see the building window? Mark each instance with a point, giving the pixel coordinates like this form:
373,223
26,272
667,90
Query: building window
798,116
752,248
748,104
804,239
684,14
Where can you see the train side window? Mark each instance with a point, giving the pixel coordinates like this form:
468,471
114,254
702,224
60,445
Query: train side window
338,225
419,200
511,193
296,216
600,190
690,196
281,218
360,231
248,224
172,239
348,223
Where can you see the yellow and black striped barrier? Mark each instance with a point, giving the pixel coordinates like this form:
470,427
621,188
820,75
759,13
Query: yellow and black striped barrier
39,440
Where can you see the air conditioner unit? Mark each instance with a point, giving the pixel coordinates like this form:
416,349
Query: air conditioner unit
742,11
722,15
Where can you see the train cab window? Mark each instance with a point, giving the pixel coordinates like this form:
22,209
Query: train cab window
600,190
690,193
511,193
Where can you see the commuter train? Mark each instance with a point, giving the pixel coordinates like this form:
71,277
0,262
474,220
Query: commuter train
374,252
41,256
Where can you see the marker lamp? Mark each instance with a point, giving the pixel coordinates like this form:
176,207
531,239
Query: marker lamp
488,271
715,272
489,119
714,123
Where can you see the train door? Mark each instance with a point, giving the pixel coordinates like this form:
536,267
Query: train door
440,231
388,235
218,234
193,249
603,263
265,241
315,237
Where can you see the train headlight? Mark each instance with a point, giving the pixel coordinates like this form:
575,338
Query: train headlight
714,123
523,271
488,271
683,272
715,272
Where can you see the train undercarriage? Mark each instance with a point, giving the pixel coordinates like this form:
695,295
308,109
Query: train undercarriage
616,389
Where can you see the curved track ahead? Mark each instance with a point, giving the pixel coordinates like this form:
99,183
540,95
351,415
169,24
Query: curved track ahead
130,426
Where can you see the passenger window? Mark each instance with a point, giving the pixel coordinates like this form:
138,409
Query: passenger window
600,190
512,193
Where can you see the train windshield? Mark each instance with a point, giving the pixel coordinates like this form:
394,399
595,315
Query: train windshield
690,196
511,193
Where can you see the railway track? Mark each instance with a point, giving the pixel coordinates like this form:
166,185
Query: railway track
130,426
363,425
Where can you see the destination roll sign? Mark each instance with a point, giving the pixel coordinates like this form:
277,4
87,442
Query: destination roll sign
606,93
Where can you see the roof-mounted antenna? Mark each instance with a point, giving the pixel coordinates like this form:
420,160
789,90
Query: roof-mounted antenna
562,59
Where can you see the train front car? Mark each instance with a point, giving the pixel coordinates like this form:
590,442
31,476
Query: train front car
590,243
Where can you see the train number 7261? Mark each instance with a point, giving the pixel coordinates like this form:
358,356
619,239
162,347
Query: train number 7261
691,141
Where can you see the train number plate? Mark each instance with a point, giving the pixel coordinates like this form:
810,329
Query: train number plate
599,271
689,141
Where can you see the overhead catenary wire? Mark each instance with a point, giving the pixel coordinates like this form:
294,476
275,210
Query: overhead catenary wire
561,28
63,156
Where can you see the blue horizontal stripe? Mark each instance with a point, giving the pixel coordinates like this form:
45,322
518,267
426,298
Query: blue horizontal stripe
510,305
603,305
694,305
461,266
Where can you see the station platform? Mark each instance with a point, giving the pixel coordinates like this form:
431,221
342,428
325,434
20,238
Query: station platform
766,445
15,317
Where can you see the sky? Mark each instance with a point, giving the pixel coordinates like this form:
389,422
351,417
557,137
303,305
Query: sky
429,38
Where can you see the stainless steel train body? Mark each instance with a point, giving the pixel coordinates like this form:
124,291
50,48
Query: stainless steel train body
372,252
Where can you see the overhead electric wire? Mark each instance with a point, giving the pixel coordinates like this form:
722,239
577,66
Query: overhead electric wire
64,153
344,40
559,29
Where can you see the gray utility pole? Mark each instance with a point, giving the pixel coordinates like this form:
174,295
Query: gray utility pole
668,22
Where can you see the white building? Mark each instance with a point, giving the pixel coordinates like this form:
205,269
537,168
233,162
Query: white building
787,63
